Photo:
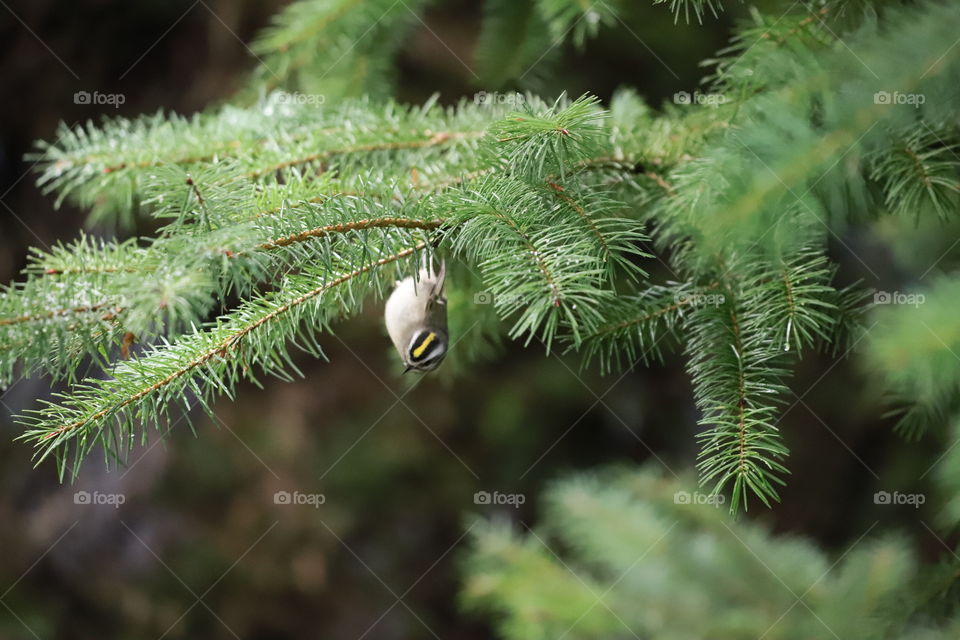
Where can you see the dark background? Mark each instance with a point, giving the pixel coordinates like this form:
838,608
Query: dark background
199,548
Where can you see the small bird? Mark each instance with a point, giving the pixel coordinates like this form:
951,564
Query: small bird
416,319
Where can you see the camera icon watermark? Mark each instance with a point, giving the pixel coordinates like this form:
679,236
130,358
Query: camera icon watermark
299,499
96,98
897,297
697,97
98,498
496,498
896,498
896,97
697,497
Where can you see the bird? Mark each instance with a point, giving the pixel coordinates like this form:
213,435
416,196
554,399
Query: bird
416,318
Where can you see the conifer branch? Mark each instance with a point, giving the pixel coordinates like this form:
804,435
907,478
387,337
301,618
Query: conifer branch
548,202
52,314
320,232
433,140
173,369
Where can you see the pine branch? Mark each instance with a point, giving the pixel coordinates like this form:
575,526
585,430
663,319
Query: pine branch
334,48
103,167
545,269
913,351
548,202
158,291
738,342
734,377
635,327
663,545
922,169
321,232
542,141
106,411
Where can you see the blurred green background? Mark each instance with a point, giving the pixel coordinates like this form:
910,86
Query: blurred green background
200,547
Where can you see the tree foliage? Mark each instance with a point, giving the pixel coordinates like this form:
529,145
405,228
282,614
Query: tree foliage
668,563
279,215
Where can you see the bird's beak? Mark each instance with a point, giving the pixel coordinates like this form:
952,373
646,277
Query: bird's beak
408,369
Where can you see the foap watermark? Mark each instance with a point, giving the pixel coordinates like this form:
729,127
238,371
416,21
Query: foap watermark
896,498
488,297
495,97
299,498
496,498
897,297
699,299
310,99
97,98
698,497
697,97
896,97
97,498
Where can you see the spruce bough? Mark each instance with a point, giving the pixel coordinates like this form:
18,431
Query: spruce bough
558,208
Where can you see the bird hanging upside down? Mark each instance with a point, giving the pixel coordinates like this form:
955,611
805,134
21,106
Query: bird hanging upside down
416,319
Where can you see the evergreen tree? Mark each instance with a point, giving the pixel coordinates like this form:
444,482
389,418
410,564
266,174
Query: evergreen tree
284,212
669,563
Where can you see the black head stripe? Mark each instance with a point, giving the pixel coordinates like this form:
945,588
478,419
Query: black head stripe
426,345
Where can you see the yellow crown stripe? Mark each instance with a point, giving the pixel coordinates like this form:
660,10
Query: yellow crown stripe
418,351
